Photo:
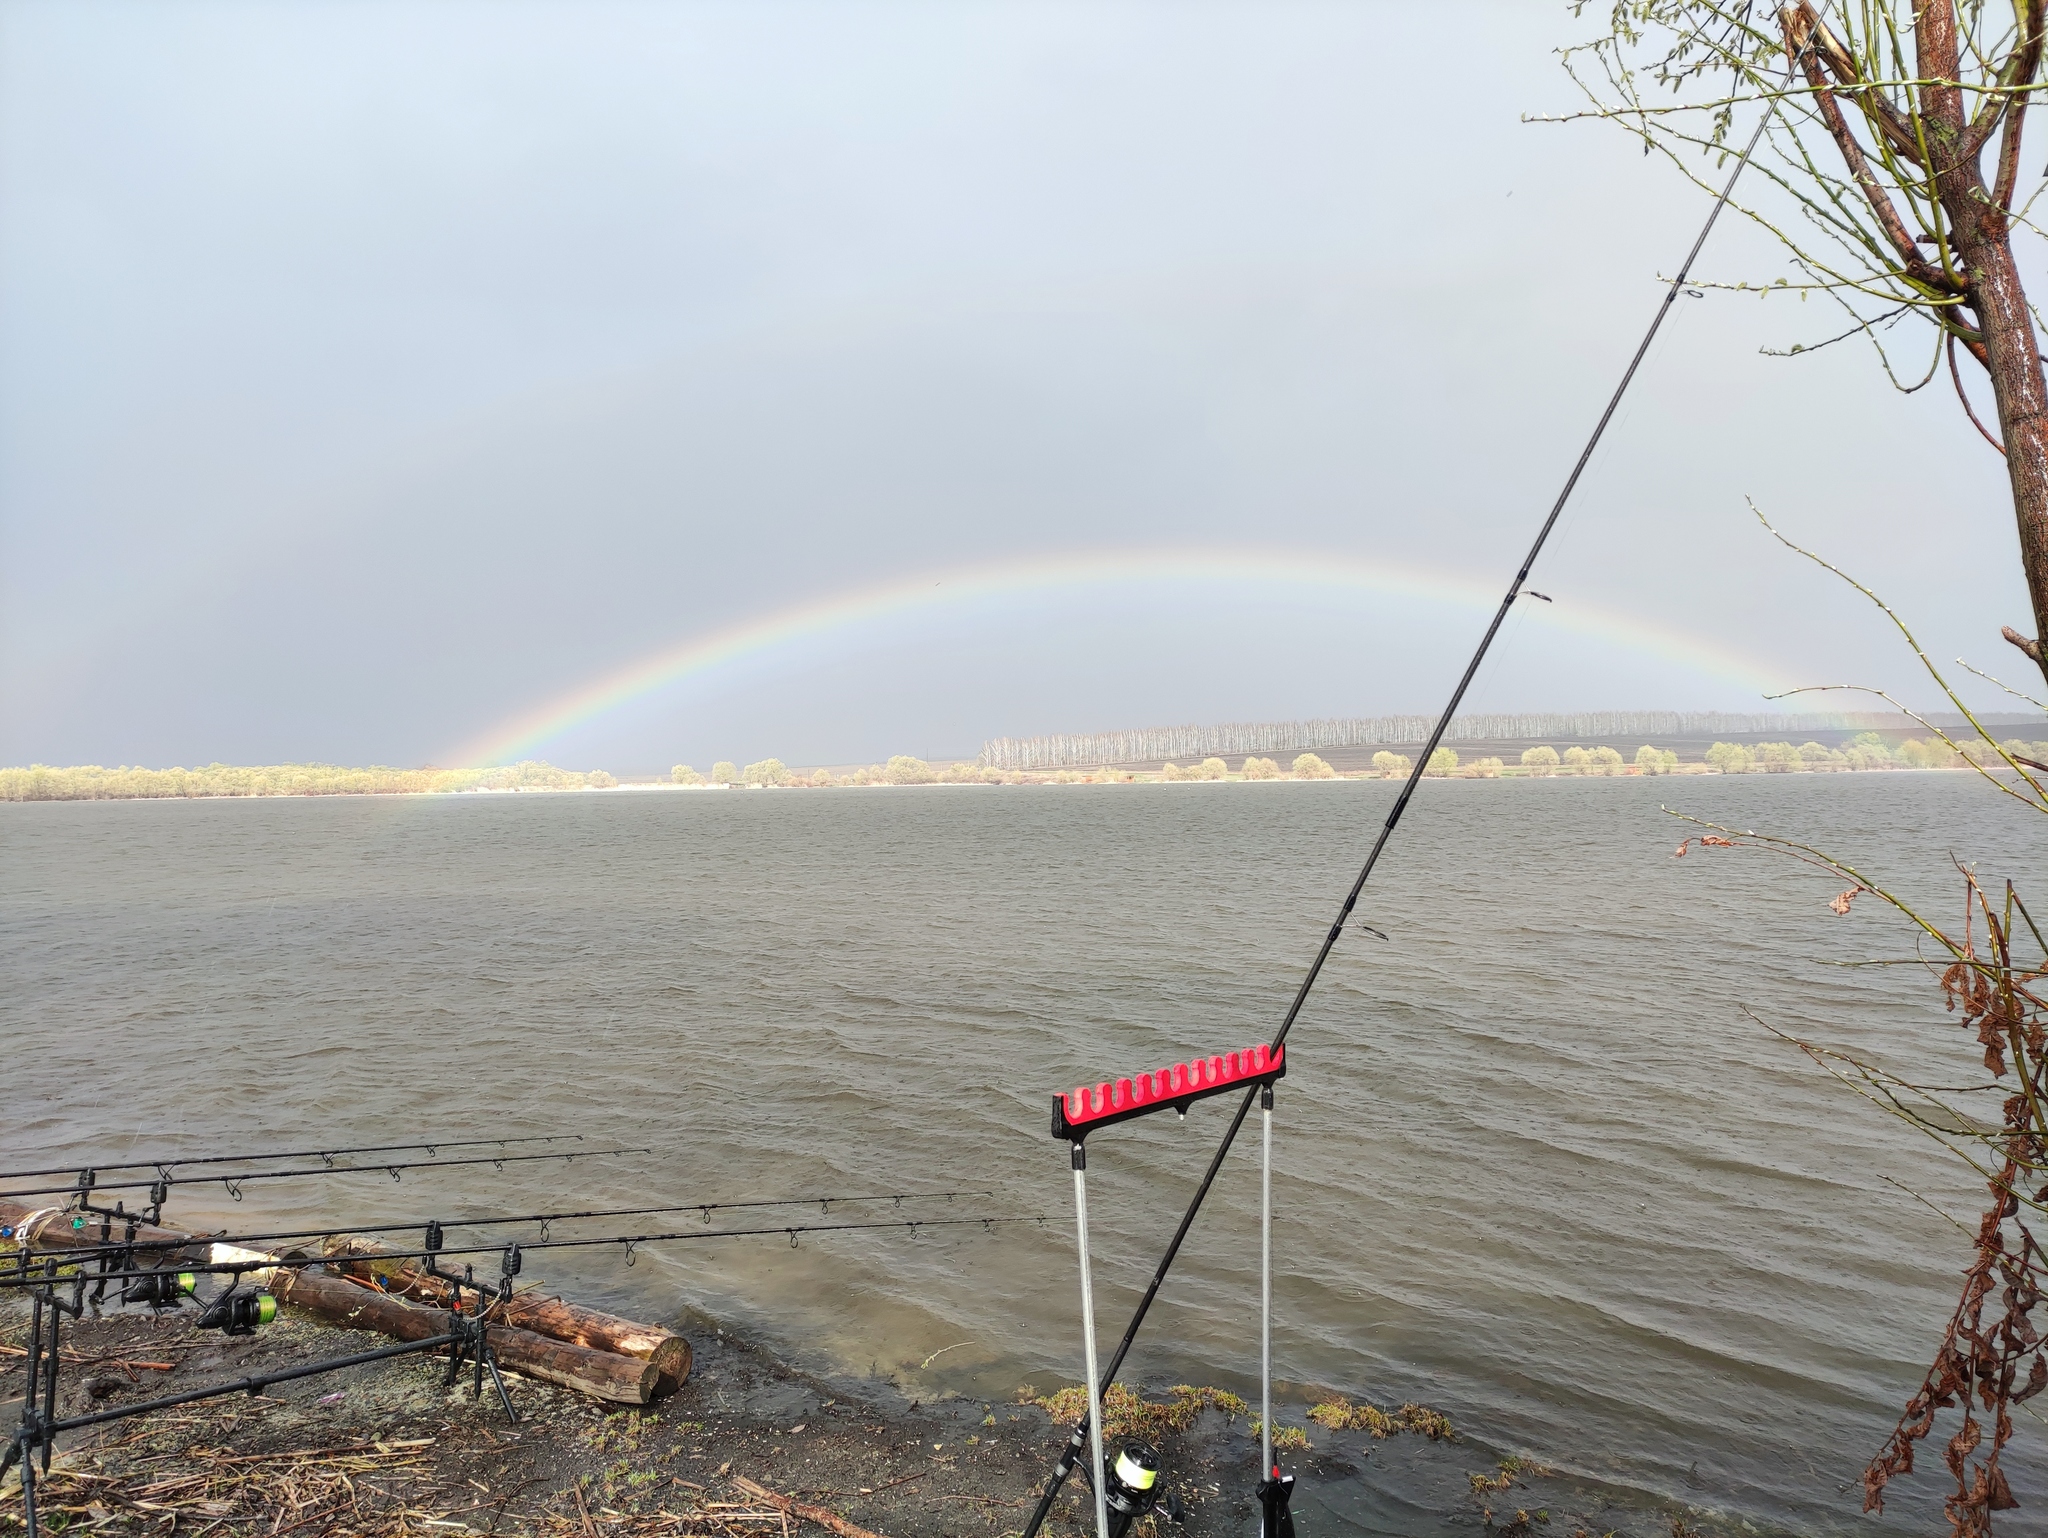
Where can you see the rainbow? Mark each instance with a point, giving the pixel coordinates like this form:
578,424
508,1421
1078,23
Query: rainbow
703,656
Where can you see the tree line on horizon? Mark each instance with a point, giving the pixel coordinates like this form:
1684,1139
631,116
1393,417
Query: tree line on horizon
1230,738
1867,751
92,782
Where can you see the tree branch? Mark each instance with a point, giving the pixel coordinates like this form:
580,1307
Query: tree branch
1802,27
1969,410
1842,65
2025,61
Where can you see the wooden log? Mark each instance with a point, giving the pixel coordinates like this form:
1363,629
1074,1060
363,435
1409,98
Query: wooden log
48,1228
548,1316
600,1374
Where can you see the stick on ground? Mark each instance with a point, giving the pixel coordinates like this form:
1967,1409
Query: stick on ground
809,1513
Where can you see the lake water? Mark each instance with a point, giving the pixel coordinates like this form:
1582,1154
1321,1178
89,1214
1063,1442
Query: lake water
1535,1166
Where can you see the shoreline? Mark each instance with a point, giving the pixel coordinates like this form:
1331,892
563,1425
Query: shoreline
1021,780
387,1449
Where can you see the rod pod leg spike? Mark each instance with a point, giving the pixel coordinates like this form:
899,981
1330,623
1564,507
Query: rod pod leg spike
1275,1520
491,1361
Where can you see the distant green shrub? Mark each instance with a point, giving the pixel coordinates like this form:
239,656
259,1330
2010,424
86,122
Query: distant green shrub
683,774
1933,754
1777,757
1213,769
1392,765
725,772
1442,762
1606,761
1309,767
1261,769
905,770
1539,760
1730,757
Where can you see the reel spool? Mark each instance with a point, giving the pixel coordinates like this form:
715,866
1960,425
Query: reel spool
238,1313
1130,1488
165,1289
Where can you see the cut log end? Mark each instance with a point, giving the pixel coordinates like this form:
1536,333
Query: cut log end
672,1360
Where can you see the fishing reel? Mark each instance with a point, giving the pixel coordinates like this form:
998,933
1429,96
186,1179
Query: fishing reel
238,1313
160,1289
1130,1489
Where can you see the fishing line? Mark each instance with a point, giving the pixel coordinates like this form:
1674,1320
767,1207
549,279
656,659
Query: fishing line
1072,1453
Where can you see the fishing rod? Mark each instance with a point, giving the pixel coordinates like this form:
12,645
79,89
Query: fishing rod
544,1219
233,1184
329,1154
433,1248
1071,1454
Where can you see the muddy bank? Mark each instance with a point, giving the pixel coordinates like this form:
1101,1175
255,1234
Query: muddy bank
387,1449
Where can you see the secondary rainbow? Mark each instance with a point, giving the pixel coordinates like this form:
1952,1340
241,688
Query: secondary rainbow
702,656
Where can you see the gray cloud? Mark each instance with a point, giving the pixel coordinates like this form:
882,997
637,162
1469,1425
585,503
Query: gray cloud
376,374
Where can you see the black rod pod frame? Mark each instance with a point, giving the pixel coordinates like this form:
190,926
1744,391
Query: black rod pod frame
467,1340
473,1329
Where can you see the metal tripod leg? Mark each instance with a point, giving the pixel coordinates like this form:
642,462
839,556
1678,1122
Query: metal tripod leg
1275,1488
491,1361
1096,1480
50,1361
28,1494
1266,1469
38,1400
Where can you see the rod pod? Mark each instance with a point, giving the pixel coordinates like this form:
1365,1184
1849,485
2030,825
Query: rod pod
1073,1118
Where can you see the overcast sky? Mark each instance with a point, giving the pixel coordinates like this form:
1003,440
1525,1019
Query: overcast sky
373,375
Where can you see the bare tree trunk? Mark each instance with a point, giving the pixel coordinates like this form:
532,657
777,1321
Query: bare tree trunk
1980,299
2013,360
2005,327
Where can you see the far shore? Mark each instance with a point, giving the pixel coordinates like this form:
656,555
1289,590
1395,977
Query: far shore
1863,755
